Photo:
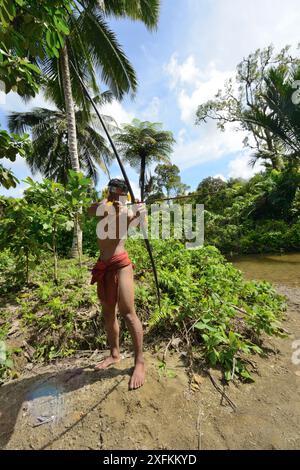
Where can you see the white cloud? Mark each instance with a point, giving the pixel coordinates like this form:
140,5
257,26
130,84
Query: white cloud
210,49
21,170
145,112
181,136
14,192
13,102
2,93
151,112
17,166
240,168
136,189
210,145
192,85
234,28
185,73
220,176
118,112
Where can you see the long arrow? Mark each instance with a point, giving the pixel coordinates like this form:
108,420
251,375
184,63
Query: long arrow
188,196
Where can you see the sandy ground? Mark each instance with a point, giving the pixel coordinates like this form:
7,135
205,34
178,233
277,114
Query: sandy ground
69,406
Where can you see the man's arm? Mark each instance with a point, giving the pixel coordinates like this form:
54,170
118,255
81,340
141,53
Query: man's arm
137,216
92,210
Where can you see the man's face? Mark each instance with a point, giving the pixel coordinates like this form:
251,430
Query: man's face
115,193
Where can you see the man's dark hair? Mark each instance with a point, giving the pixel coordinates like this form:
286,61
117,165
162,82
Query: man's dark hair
117,183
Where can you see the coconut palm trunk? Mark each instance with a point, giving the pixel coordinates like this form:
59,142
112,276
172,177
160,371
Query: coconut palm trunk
72,142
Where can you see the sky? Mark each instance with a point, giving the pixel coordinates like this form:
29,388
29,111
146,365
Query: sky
196,47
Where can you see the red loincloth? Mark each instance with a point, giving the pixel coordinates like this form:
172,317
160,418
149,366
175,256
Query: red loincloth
105,273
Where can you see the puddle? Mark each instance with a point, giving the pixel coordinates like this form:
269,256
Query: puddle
46,404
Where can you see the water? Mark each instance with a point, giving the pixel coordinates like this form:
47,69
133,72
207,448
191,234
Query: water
45,402
279,270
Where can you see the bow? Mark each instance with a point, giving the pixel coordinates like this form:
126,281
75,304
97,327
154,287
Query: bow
147,243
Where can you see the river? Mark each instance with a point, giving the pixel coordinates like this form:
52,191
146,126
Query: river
282,271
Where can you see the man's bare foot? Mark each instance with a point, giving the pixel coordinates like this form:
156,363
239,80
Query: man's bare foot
138,376
108,361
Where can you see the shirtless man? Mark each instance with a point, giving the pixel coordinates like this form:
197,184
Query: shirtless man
113,274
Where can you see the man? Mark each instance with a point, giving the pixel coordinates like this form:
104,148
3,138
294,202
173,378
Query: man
114,276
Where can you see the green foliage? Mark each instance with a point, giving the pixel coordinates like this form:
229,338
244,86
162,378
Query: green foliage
6,353
90,245
77,191
164,371
7,178
167,176
61,318
50,200
142,143
203,294
92,45
9,276
215,194
19,74
256,216
259,101
261,215
18,233
30,28
10,146
50,153
6,363
35,224
205,300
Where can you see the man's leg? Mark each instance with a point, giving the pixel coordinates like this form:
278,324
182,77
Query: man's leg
112,330
127,310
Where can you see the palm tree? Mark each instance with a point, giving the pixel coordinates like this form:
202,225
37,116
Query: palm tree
142,143
281,117
92,47
50,154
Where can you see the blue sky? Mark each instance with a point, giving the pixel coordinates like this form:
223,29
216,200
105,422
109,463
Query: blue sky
195,49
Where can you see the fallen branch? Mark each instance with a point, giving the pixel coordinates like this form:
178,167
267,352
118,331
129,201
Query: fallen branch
222,392
238,309
189,347
166,350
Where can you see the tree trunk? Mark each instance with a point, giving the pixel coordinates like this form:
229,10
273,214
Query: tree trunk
79,238
277,162
276,159
27,267
54,256
72,140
